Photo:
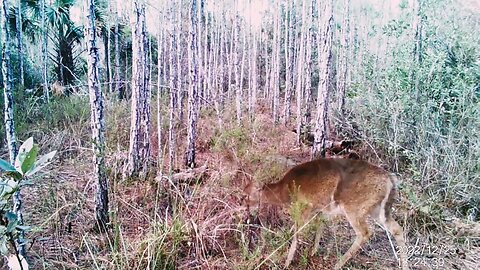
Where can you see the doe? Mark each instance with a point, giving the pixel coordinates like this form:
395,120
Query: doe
353,188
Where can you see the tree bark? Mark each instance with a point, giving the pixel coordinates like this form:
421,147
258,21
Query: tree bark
20,42
236,57
160,74
276,64
289,60
173,83
117,84
180,56
301,58
46,94
139,149
193,89
97,121
324,62
8,112
342,77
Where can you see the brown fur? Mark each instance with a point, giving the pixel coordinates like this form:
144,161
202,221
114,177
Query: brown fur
354,188
58,89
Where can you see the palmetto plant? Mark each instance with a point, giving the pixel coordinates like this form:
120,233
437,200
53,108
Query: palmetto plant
64,35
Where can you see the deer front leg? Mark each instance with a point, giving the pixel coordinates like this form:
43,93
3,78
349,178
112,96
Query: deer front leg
318,235
362,235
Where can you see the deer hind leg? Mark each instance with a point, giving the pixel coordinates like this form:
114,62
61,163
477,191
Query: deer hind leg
362,232
396,230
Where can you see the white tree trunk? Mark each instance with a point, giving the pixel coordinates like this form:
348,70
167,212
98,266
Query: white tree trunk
300,66
20,42
8,112
289,59
139,150
342,77
325,53
193,89
173,83
97,121
46,94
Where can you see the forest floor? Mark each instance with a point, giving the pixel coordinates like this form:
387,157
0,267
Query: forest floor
200,223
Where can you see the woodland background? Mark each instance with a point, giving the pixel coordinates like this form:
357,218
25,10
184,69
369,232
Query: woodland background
183,100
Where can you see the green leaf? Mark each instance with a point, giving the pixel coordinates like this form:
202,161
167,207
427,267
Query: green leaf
29,160
23,152
6,166
42,162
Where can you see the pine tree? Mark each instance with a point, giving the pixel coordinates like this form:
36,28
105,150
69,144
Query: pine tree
97,122
324,62
139,150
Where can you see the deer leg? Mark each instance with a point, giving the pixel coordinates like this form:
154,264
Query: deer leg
396,230
362,235
293,247
318,235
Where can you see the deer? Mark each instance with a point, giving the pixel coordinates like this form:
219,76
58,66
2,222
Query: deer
355,189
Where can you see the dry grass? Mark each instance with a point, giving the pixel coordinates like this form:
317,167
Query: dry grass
157,224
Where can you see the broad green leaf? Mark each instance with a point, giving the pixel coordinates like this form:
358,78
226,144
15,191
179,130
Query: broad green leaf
6,166
30,159
23,152
41,163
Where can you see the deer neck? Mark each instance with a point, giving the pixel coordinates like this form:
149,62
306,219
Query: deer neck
275,194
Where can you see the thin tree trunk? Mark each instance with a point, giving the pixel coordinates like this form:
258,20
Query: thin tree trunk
193,89
254,75
173,83
231,61
238,84
276,65
267,67
160,73
324,62
97,123
343,63
242,66
179,76
46,94
8,114
108,50
139,150
307,94
289,61
118,87
301,57
20,41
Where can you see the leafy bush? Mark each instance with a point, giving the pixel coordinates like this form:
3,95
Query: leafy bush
13,178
